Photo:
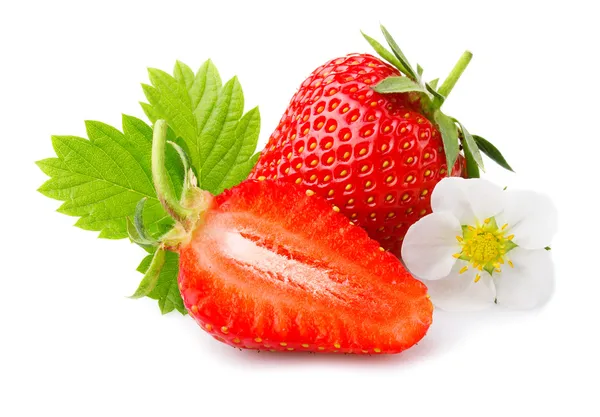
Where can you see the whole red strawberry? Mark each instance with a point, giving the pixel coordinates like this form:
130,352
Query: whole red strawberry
371,140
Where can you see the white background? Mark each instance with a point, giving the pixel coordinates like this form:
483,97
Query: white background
72,344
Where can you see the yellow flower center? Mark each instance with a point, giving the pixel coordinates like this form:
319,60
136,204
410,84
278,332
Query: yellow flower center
484,247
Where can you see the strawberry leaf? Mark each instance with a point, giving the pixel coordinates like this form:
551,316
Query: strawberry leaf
101,180
104,178
431,88
186,77
472,168
449,137
398,85
208,117
387,55
149,112
167,95
145,264
164,286
151,275
492,152
470,146
399,54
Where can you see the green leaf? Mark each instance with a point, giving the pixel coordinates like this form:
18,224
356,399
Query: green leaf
218,135
101,180
152,275
238,155
470,148
433,92
168,97
472,168
184,75
398,85
471,145
145,264
431,86
449,137
165,289
385,54
208,117
419,70
399,54
492,152
149,112
205,92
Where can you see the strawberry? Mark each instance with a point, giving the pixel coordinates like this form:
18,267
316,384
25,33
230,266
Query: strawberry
270,265
366,136
272,268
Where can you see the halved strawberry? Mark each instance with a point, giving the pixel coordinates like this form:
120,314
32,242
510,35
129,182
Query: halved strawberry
270,266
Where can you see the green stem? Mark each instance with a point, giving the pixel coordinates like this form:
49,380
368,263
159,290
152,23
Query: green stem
165,193
455,74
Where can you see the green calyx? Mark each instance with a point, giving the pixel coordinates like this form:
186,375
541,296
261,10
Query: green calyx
186,211
164,191
454,134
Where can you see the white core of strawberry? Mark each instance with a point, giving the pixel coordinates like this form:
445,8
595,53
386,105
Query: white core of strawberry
276,268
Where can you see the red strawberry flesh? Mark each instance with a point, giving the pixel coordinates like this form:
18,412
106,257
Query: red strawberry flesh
271,268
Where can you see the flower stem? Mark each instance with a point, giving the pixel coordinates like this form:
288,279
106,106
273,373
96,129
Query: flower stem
455,74
165,193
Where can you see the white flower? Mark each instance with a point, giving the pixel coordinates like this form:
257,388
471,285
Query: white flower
483,245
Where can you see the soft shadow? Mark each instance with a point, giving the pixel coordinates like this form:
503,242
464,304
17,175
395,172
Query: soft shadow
452,329
448,332
275,359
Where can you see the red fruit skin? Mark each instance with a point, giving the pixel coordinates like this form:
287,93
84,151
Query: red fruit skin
376,157
270,268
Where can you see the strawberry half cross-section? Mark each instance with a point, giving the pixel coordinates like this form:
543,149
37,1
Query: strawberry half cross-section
268,265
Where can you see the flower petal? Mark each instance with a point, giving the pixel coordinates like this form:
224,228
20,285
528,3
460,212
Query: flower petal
460,292
530,283
467,199
531,217
429,245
